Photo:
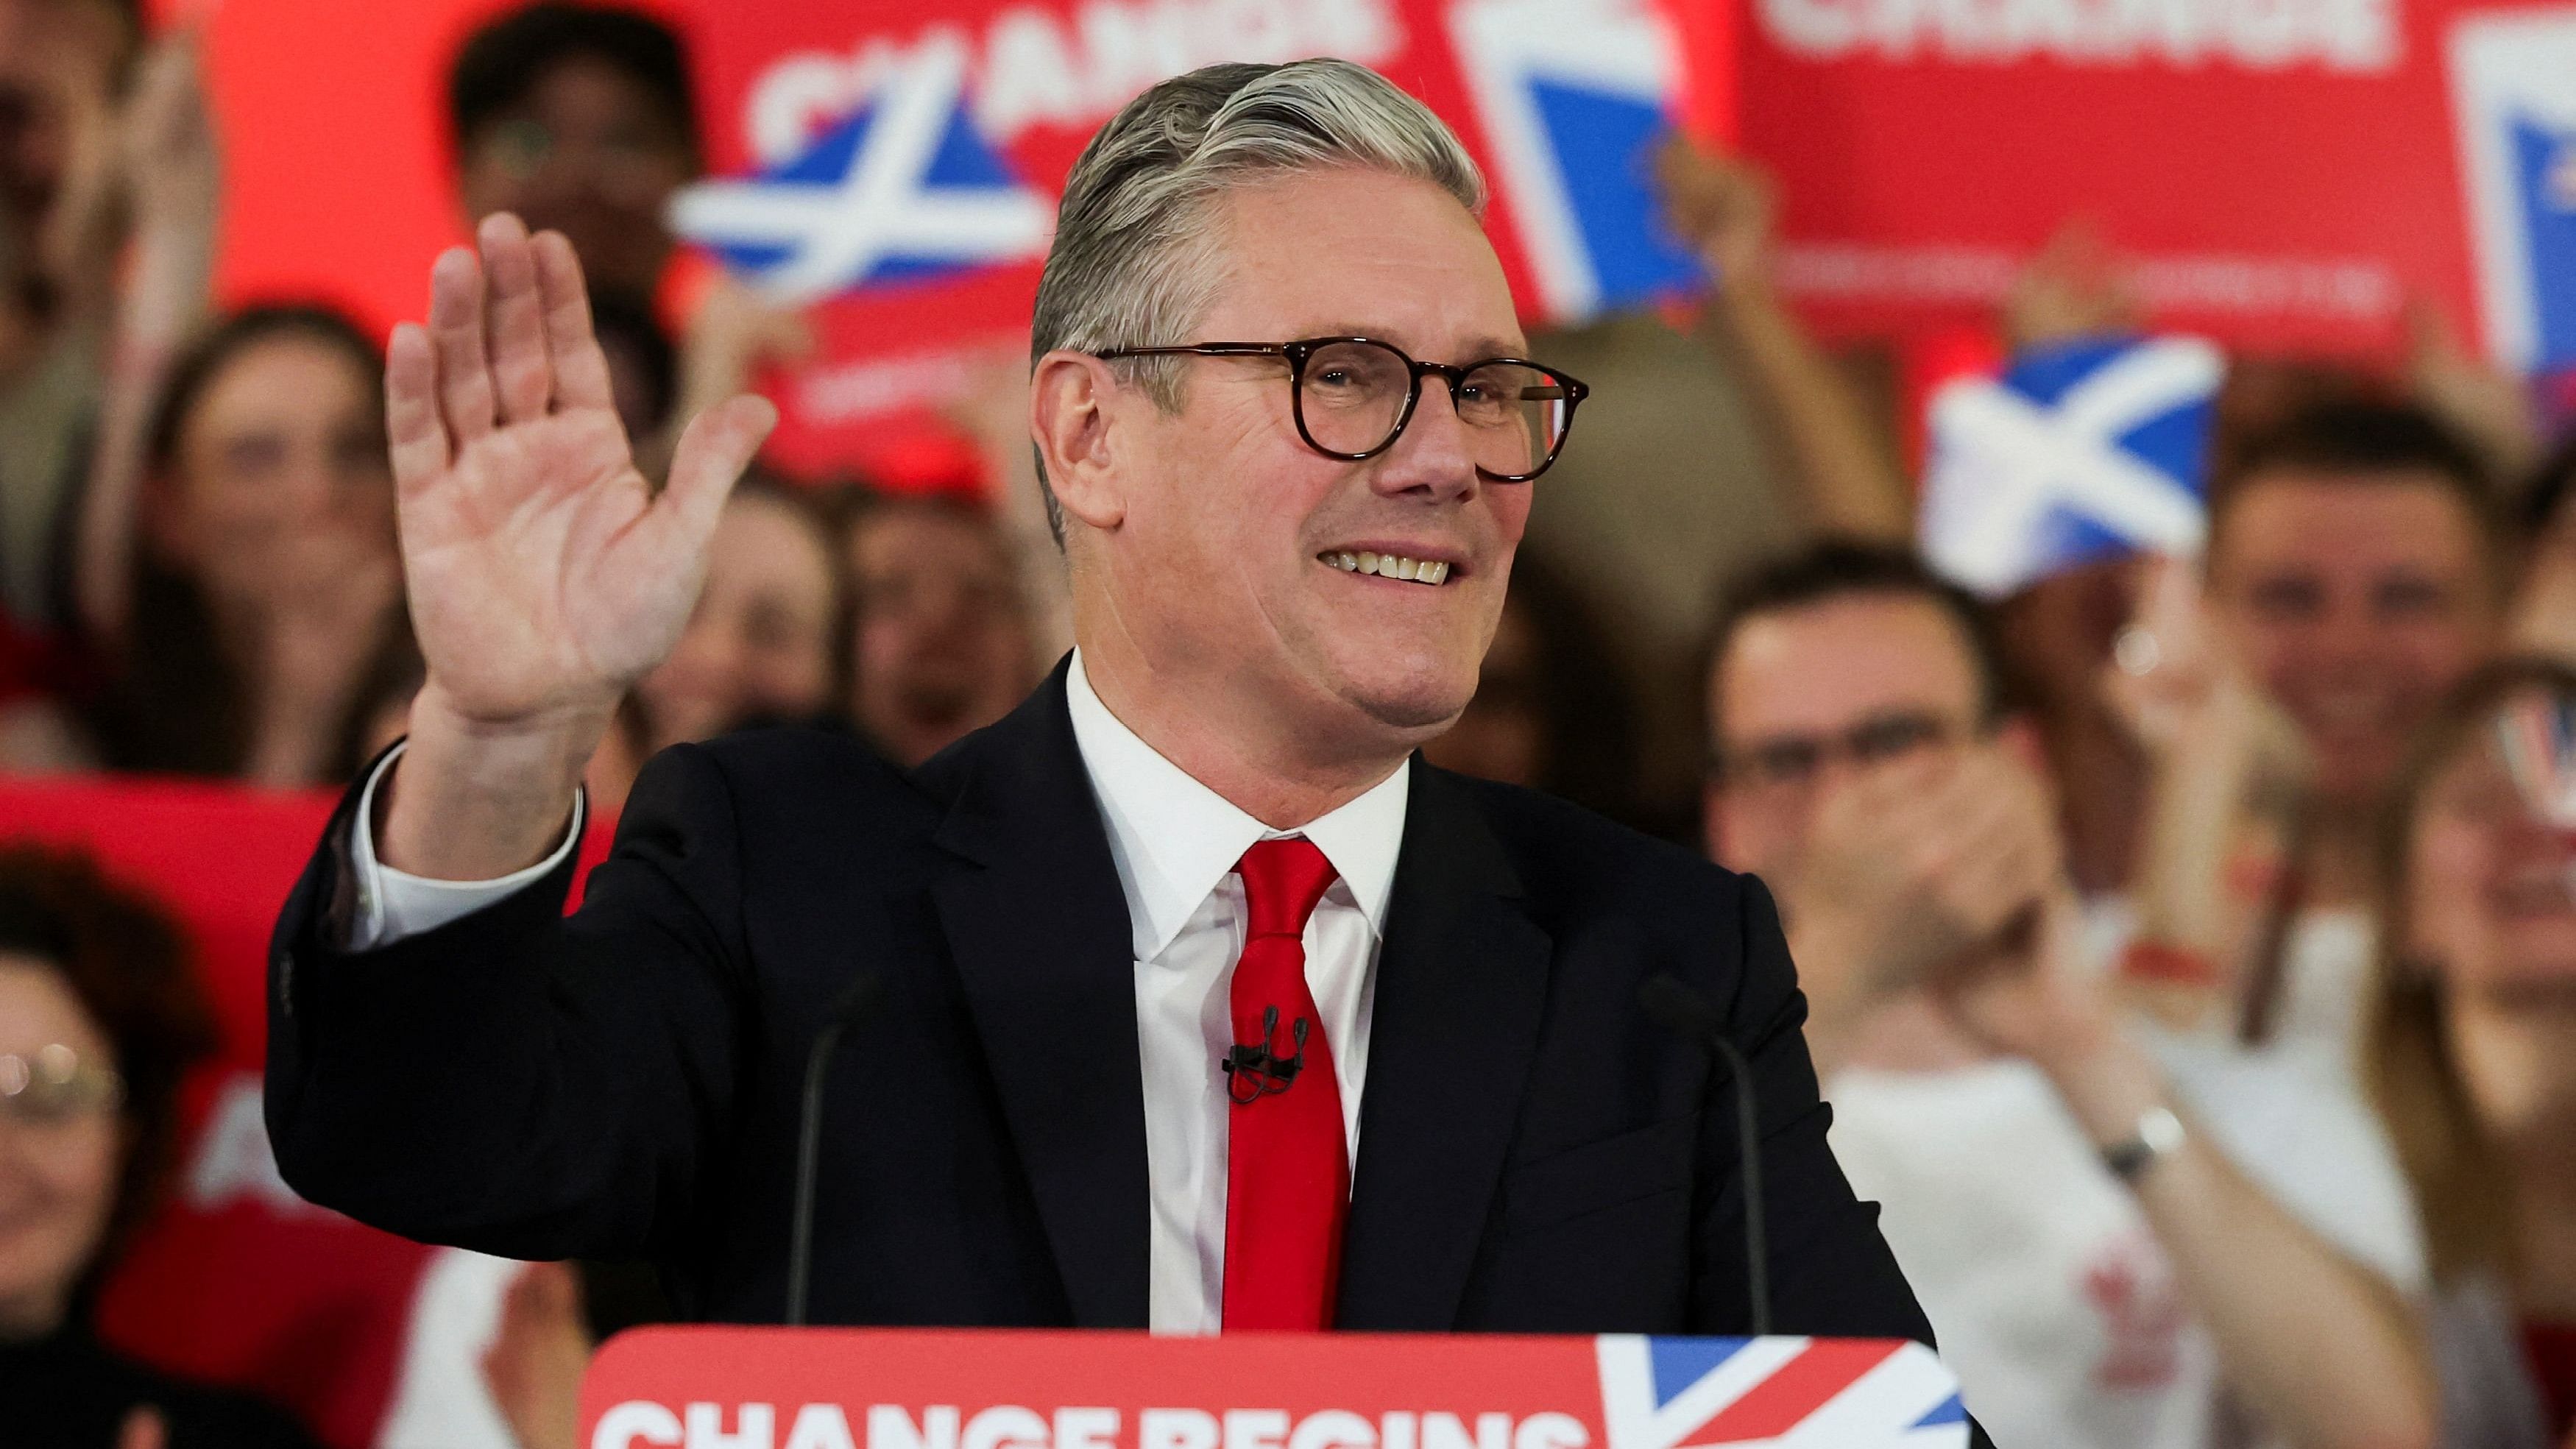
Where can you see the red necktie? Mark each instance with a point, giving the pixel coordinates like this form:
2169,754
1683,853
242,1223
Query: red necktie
1288,1169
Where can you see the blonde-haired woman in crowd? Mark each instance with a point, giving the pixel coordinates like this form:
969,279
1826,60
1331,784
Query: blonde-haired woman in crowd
2471,1047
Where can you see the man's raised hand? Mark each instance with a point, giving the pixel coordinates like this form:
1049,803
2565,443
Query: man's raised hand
545,576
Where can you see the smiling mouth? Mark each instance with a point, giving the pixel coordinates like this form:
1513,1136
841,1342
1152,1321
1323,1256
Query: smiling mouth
1434,572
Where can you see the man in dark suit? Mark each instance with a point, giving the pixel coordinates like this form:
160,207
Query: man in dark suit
1203,1005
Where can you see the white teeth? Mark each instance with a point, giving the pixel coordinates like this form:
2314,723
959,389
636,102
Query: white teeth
1387,566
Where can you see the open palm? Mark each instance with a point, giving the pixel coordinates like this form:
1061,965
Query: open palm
545,574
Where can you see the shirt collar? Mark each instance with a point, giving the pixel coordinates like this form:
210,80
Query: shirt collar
1175,840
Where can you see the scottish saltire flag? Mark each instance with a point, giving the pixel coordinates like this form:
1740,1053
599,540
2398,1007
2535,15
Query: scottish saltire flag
1777,1393
902,188
2076,453
2513,79
1574,94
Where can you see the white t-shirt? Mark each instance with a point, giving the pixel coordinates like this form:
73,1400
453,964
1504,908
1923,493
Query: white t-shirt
2326,984
2051,1297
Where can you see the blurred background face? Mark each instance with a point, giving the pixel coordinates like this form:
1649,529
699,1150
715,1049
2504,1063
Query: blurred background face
942,644
284,447
760,642
2491,909
58,58
2356,603
1218,569
1805,699
589,152
58,1162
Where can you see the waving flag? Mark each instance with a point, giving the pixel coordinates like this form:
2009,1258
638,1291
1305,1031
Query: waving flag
2075,453
2513,76
1793,1393
903,188
1574,94
2538,738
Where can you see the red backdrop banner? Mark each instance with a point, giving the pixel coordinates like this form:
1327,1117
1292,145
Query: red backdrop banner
2286,174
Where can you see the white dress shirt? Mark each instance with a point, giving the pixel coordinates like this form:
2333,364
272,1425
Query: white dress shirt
1175,843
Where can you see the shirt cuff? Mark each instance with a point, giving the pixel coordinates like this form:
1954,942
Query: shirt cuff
393,905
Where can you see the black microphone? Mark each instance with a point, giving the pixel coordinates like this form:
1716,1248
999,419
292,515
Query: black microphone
1690,1014
848,1007
1254,1072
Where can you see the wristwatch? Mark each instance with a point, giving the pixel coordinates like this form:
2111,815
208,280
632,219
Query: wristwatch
2158,1133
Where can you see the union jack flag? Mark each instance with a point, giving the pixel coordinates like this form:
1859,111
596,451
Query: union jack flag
1777,1393
2538,737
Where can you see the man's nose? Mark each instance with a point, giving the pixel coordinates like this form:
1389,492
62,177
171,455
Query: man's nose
2347,633
1435,457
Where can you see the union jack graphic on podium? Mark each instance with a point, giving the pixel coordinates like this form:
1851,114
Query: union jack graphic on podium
1777,1393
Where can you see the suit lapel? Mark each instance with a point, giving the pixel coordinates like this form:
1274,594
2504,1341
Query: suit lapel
1461,986
1037,924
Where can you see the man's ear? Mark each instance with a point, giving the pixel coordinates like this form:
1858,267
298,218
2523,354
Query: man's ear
1070,413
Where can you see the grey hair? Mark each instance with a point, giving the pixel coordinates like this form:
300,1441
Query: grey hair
1135,261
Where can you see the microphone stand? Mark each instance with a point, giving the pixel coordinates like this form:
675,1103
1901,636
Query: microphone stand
847,1008
1689,1014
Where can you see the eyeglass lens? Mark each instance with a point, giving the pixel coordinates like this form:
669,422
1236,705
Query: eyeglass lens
1352,398
1795,761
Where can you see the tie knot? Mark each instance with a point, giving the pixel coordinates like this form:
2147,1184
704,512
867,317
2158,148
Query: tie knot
1282,881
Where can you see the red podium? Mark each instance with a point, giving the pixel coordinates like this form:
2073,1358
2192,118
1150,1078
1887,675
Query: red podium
769,1388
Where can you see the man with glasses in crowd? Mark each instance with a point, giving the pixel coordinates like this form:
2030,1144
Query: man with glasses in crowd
1200,1004
2101,1271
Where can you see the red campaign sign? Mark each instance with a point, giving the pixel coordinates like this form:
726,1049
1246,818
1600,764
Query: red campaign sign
238,1281
739,1388
1536,88
2286,172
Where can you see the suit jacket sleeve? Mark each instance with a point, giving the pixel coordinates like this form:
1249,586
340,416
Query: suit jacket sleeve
1831,1271
514,1081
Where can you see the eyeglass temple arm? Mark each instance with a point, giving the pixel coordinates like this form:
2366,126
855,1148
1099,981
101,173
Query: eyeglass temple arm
1202,349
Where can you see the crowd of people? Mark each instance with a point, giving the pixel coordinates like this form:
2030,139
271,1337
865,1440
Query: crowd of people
2248,832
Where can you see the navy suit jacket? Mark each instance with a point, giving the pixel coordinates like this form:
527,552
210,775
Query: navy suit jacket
1535,1153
